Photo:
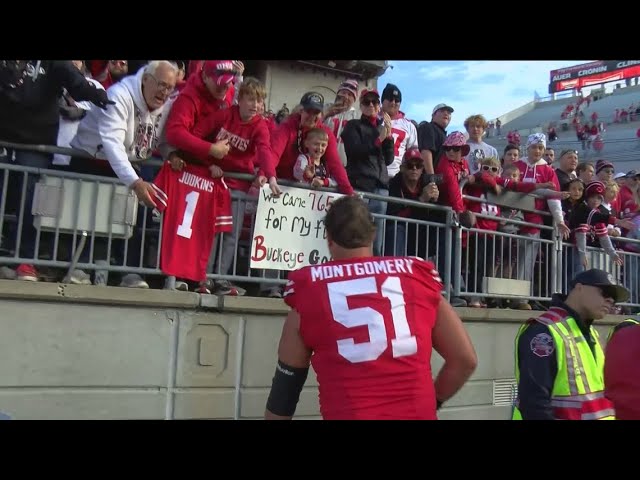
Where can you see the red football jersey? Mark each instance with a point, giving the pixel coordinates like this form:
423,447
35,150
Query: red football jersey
196,207
369,322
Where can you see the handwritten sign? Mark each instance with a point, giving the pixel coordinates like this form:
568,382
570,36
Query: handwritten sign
289,231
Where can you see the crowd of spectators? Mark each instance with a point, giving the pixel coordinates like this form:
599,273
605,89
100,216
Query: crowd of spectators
205,118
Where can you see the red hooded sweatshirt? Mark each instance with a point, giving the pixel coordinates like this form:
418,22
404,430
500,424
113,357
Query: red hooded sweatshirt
452,173
194,104
249,142
622,372
284,145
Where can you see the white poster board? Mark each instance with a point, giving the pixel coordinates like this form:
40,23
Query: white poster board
289,231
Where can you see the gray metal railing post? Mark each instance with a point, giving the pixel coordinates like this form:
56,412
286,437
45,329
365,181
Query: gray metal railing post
447,251
556,261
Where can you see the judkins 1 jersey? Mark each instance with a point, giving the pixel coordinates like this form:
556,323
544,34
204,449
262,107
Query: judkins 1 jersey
369,322
196,207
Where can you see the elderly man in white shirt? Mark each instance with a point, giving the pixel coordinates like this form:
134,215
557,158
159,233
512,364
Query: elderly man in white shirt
130,130
127,132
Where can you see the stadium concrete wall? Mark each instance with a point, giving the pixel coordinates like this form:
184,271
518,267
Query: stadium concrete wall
84,352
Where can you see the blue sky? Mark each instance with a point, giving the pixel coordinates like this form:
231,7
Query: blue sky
491,88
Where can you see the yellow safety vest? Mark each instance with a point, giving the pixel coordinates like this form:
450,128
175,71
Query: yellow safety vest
578,390
613,329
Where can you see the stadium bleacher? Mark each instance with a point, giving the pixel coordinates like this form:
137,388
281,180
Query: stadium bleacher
621,144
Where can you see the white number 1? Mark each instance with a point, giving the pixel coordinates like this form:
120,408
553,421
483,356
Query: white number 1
184,229
403,344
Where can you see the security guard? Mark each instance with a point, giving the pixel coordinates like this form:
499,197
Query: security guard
625,323
559,360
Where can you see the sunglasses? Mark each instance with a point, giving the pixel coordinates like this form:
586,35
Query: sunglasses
414,166
487,168
370,101
452,149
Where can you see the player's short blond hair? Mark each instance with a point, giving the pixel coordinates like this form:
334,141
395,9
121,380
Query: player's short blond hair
476,119
254,88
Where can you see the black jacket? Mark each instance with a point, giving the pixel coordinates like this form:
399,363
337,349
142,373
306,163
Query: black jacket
366,161
29,111
418,240
396,190
431,136
563,179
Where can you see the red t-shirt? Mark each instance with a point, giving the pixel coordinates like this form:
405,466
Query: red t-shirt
196,207
369,321
622,372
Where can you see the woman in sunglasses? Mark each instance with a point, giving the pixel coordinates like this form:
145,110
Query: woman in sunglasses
453,167
369,147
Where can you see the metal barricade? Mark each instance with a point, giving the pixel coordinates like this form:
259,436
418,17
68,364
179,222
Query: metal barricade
627,274
122,236
507,265
94,223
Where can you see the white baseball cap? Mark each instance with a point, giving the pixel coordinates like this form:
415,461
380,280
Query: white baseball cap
442,106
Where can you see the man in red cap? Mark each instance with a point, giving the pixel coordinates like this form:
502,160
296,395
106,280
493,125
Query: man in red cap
207,91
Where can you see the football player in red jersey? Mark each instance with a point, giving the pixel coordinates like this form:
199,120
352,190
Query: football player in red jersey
368,325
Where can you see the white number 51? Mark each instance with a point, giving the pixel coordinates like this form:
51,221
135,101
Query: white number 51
403,344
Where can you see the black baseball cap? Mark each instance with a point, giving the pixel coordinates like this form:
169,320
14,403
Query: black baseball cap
599,278
312,101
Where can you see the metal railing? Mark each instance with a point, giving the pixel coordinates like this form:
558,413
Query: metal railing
105,229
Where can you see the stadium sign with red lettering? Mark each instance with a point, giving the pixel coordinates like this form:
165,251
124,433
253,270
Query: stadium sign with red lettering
289,231
594,73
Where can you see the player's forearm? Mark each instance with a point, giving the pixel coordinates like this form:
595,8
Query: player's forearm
451,377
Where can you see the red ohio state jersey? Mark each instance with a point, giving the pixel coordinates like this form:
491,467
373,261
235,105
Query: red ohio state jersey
196,207
369,322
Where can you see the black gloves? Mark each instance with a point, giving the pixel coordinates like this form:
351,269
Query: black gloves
101,99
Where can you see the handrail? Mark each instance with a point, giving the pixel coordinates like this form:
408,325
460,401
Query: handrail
152,161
